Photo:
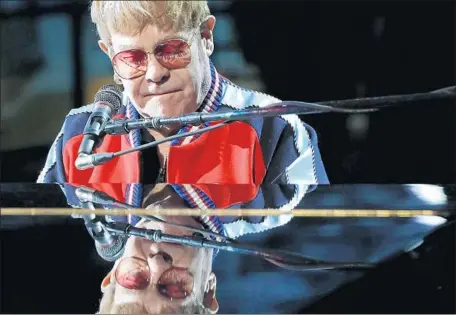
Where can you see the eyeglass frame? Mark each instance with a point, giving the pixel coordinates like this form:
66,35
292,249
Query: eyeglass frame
148,53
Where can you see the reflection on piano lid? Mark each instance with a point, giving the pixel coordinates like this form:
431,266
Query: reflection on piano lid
239,200
354,196
370,240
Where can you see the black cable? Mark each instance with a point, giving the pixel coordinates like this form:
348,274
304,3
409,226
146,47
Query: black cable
448,93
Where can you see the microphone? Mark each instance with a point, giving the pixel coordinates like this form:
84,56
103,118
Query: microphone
107,103
109,246
86,194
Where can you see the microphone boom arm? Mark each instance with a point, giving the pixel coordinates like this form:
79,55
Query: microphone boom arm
347,106
124,126
283,259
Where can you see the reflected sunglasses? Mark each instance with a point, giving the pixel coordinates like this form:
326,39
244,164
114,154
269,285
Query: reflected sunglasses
174,284
172,54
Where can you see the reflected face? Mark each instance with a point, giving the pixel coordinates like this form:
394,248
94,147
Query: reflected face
160,277
158,89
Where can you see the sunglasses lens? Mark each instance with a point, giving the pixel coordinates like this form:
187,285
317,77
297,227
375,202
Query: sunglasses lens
133,273
175,283
130,63
173,54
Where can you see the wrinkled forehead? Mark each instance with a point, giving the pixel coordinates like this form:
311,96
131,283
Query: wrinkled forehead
150,21
145,39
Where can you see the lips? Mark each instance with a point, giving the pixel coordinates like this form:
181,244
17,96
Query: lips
159,94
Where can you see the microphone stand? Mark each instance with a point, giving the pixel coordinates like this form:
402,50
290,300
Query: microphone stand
89,196
348,106
379,102
123,126
95,226
365,105
109,246
102,233
283,259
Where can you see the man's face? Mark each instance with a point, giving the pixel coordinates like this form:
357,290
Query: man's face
161,91
177,273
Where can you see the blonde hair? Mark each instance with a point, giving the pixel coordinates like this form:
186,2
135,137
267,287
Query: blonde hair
131,17
107,305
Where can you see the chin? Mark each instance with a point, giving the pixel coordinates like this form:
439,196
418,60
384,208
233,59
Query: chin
166,109
154,109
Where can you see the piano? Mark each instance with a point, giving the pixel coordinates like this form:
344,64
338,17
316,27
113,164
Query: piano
49,261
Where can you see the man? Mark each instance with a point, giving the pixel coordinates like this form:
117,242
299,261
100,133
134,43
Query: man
158,278
160,54
161,278
193,285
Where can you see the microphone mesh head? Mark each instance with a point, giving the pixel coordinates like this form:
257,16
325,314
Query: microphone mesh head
110,95
114,251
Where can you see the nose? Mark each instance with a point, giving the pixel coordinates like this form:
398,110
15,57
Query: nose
160,260
156,73
133,247
148,250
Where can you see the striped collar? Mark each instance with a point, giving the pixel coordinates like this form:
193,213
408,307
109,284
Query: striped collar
195,197
211,102
213,97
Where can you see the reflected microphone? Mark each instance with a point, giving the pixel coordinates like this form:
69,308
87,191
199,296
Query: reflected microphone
109,246
107,103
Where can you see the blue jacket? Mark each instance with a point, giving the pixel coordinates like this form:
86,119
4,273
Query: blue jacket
242,154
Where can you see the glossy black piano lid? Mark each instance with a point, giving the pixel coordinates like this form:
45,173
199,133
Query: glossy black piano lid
38,255
355,196
26,195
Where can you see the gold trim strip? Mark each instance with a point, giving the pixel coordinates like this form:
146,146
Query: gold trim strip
227,212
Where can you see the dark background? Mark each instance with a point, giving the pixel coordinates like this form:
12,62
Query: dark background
310,51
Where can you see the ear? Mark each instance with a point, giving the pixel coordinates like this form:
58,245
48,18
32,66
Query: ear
207,28
210,300
108,278
104,47
106,282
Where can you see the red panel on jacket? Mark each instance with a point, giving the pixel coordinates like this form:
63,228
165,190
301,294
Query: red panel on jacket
229,155
122,169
